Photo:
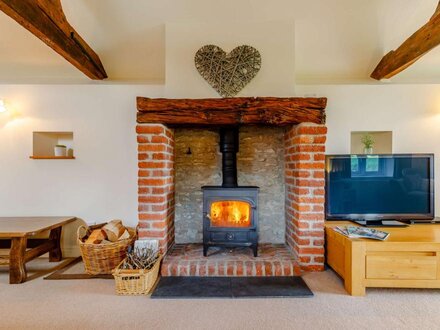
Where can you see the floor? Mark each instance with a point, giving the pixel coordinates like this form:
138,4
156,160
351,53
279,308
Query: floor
92,304
188,260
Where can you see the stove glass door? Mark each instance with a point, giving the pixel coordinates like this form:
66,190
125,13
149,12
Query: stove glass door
230,214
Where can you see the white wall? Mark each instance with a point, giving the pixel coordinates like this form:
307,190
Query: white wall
275,40
412,112
336,41
101,183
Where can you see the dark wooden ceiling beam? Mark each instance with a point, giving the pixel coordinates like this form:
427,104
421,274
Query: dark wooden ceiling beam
46,20
420,43
231,111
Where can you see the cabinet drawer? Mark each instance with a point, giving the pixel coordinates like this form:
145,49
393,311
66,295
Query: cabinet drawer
401,267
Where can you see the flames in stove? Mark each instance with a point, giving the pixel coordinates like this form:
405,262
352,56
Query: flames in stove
230,214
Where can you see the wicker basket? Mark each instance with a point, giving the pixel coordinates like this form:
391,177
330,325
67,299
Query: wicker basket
135,281
103,258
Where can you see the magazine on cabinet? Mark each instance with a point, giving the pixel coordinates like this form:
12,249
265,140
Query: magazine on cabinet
361,232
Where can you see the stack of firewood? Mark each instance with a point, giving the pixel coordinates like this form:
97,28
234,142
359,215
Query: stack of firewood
111,232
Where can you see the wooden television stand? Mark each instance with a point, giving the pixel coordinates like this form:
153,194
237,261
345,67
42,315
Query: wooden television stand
409,258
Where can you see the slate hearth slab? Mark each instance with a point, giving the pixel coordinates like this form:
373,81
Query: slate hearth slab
193,287
172,287
277,287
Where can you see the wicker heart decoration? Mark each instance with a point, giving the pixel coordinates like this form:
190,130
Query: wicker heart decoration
229,73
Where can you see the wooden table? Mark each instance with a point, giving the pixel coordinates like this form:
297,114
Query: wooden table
409,258
17,231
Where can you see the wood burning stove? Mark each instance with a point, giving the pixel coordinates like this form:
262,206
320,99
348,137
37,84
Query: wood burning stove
230,217
230,212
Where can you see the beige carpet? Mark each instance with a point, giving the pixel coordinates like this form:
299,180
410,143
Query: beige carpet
92,304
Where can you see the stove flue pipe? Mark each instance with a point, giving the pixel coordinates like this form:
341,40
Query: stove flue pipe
229,148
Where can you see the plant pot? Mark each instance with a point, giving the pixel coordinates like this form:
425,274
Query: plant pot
368,151
60,151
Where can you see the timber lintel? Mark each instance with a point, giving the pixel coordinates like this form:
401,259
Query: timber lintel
231,111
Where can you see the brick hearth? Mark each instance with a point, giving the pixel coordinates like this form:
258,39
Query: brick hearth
304,151
188,260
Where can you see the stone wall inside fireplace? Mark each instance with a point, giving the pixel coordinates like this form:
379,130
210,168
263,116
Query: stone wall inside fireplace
260,162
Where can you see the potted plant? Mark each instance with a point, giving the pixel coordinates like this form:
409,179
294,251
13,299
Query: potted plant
60,150
368,142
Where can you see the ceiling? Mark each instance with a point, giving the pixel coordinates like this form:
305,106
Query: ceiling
336,41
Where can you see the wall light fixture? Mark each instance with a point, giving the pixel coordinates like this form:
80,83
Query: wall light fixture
2,106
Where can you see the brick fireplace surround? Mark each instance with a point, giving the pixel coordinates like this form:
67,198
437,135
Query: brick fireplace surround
304,148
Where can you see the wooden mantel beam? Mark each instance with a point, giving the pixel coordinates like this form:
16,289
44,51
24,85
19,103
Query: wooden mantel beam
420,43
46,20
231,111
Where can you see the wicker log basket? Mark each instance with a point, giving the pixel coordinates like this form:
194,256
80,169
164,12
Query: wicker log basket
103,258
136,281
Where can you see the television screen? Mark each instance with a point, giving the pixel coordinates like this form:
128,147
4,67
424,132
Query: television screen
380,187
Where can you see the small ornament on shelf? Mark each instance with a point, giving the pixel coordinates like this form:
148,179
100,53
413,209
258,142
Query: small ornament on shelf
60,150
368,142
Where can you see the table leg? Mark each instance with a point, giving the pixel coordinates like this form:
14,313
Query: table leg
55,254
17,267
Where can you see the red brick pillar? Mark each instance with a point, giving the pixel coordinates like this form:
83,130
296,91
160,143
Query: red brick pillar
305,179
156,183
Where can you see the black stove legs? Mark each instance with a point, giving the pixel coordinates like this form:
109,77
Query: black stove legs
254,248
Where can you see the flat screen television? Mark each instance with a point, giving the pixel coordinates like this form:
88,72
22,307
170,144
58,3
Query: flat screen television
376,189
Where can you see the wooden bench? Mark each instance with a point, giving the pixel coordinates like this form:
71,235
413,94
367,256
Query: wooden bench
16,231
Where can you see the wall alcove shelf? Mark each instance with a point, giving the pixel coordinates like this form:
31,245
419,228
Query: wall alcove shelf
45,142
382,142
51,157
